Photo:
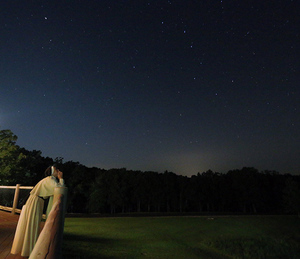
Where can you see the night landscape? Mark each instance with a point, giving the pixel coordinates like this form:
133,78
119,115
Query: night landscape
175,120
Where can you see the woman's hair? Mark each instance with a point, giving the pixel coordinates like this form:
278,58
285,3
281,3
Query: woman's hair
48,170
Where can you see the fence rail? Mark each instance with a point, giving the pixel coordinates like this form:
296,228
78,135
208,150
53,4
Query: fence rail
14,187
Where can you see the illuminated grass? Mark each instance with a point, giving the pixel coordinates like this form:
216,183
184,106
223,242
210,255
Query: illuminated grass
182,237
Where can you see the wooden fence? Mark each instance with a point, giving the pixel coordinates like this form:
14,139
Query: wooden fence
49,243
17,188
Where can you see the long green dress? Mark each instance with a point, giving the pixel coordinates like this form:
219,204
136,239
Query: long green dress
28,227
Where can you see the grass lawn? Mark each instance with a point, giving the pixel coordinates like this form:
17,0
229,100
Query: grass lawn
183,237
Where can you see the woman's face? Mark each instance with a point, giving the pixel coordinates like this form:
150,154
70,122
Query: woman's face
55,172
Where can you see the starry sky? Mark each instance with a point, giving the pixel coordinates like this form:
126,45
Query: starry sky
183,86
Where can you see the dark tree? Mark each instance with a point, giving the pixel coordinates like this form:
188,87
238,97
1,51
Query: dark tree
291,196
10,158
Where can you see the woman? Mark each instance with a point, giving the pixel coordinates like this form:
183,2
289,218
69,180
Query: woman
31,215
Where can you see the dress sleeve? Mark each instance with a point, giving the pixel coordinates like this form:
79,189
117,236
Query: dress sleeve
46,187
61,183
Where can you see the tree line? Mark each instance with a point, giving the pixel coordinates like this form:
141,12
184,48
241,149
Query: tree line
96,190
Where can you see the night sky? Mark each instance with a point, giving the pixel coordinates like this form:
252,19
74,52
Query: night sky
183,86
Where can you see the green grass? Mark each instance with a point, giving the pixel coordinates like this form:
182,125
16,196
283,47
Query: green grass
182,237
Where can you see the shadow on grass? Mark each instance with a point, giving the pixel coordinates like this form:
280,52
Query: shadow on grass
81,247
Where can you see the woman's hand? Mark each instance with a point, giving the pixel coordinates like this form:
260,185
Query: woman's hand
59,175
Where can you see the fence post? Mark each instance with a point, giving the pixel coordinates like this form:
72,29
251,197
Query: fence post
49,243
57,192
16,199
61,193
